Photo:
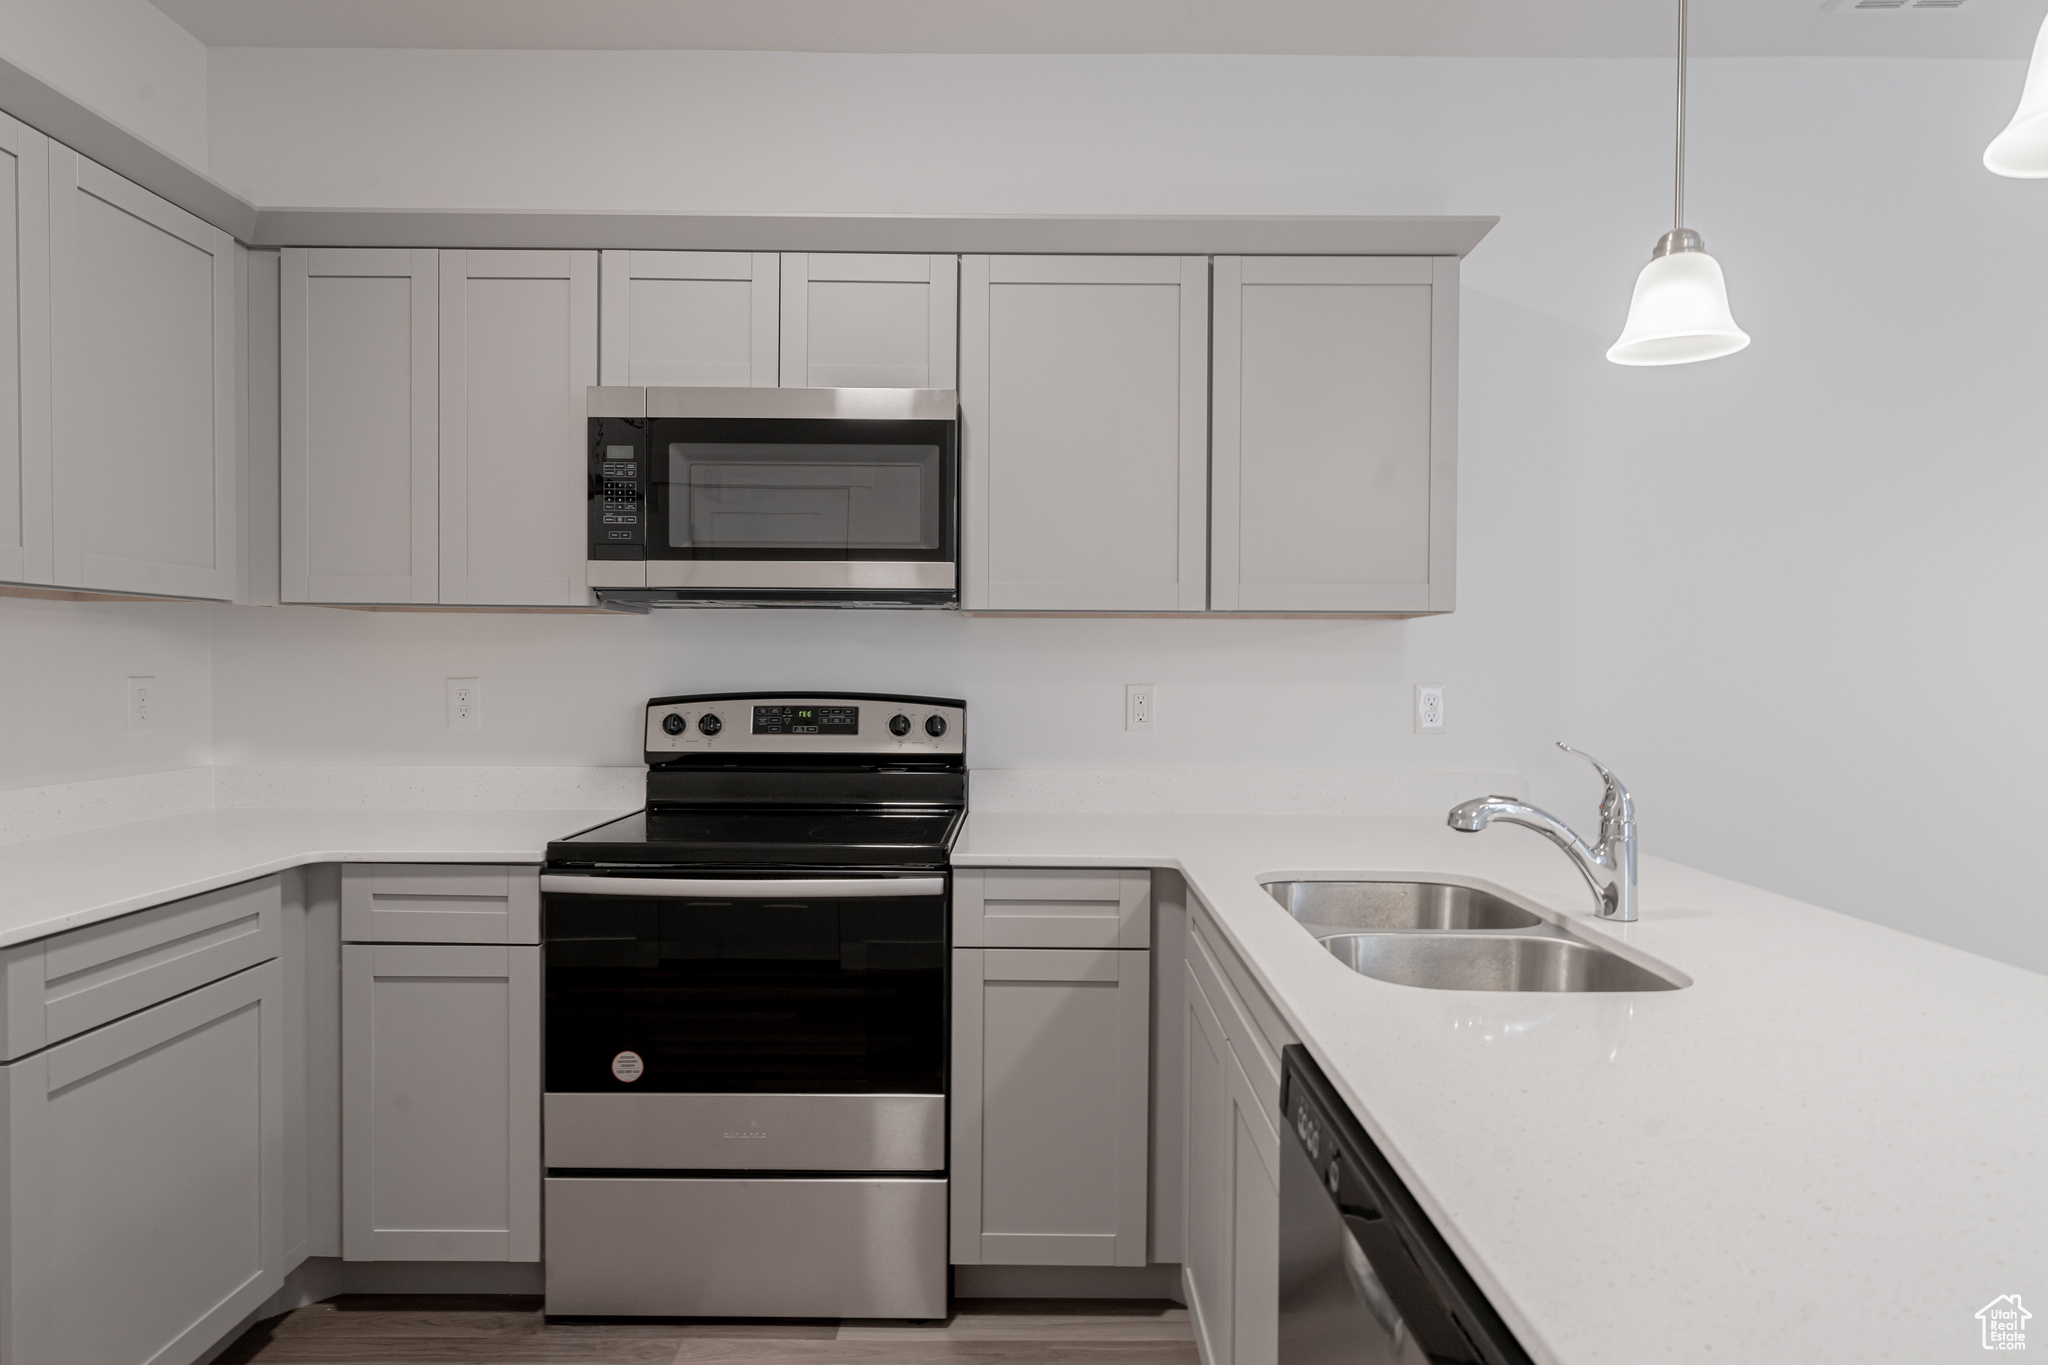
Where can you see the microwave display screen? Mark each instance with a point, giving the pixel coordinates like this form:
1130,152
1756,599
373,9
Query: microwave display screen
792,496
806,720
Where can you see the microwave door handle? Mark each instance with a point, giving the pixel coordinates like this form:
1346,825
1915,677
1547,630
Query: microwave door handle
776,889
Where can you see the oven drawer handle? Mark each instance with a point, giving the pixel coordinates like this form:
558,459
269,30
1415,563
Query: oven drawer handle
777,889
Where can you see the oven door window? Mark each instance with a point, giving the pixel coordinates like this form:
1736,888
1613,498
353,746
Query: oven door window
802,996
749,496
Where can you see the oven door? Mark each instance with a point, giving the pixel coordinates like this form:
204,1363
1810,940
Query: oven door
816,985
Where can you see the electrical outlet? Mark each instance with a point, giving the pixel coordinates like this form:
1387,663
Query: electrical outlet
141,706
465,704
1141,707
1429,708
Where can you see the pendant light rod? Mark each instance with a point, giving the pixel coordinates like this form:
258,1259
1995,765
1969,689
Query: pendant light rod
1678,177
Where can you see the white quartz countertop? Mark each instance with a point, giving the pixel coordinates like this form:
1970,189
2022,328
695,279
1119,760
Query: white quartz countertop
58,883
1831,1146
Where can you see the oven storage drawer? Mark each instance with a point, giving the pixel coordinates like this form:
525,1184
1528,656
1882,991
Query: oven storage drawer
747,1132
785,1247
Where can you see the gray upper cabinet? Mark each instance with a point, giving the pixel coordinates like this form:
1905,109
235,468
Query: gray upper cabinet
1335,440
689,318
358,415
1084,393
142,310
24,354
518,352
869,321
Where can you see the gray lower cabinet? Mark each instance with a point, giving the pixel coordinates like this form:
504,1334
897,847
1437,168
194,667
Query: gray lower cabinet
440,1102
1231,1271
1051,1063
142,1201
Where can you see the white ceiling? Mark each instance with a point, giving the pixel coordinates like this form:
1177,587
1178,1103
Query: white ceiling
1472,28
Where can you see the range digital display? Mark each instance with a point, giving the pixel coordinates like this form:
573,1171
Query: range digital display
807,720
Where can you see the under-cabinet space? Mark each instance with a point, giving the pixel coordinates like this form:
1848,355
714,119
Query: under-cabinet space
143,1180
869,321
518,354
142,325
1051,1068
25,447
1084,397
1335,442
440,1102
691,318
439,903
359,413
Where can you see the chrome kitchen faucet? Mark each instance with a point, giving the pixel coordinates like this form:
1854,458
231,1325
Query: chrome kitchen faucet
1609,866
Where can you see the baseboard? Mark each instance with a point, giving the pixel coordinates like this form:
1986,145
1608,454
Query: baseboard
1067,1282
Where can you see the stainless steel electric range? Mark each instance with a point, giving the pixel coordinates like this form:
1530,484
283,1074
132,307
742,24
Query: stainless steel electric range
746,1016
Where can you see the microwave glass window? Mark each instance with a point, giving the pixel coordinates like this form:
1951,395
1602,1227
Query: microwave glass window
729,496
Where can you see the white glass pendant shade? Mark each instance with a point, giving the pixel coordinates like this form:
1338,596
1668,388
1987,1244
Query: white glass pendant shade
1679,314
2022,149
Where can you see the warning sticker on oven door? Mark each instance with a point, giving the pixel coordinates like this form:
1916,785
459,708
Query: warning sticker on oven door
627,1066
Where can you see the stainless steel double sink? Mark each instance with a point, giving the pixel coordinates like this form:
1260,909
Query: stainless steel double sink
1453,938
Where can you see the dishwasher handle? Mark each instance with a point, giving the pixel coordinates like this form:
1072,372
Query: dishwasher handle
742,888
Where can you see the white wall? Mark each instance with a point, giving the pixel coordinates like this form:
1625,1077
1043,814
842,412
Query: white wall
123,58
1791,596
64,670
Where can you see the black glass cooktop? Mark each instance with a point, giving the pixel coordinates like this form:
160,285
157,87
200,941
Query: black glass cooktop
765,838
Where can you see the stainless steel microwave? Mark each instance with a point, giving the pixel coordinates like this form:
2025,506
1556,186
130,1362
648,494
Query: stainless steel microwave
774,497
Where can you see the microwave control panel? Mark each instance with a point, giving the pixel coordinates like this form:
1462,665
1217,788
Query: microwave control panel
618,487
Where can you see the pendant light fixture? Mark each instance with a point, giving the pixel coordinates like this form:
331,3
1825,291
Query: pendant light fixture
1680,309
2021,150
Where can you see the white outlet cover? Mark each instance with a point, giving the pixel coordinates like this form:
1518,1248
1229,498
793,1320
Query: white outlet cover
1141,707
465,704
1429,708
141,706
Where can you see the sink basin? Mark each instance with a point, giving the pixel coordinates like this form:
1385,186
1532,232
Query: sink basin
1491,962
1337,906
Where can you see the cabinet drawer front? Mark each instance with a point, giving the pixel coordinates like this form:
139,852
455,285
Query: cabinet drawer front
423,903
80,980
1052,908
1254,1029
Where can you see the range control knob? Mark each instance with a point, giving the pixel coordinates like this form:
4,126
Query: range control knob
673,724
709,724
899,725
935,726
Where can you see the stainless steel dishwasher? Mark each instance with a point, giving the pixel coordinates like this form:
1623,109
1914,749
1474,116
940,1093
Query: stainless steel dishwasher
1364,1278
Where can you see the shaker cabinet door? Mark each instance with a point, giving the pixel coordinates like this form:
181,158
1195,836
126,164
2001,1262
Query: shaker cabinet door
1209,1272
358,410
440,1102
1084,390
1051,1068
518,352
142,310
25,506
1335,478
143,1164
869,321
689,318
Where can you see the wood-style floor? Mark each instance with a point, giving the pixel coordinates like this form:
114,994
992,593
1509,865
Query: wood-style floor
372,1330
